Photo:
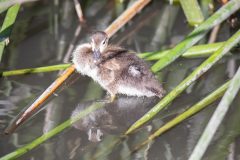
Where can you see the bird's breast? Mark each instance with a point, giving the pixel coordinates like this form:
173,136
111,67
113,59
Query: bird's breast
83,60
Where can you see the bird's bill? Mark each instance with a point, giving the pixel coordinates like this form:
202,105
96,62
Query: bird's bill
96,54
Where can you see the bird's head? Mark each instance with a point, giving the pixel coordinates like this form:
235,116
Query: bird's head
99,42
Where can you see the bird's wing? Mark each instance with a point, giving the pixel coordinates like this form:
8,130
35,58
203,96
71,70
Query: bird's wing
135,71
112,65
113,51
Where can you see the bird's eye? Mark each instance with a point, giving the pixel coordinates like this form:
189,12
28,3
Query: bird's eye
105,41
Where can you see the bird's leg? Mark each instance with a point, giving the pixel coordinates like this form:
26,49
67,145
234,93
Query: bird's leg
111,88
111,93
109,99
112,97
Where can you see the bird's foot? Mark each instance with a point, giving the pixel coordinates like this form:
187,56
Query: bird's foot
108,99
112,98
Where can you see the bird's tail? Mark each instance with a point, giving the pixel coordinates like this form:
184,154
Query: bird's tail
158,91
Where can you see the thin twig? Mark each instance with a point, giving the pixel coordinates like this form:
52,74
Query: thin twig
214,34
78,9
72,45
82,20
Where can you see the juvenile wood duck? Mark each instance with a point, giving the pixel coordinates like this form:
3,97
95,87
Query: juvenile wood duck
116,69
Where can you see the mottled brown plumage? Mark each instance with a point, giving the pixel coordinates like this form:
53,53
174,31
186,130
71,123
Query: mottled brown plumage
116,69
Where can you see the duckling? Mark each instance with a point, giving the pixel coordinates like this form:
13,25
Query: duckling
116,69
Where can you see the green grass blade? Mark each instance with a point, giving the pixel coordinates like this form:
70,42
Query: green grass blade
192,11
192,110
53,132
216,118
207,64
7,26
198,33
198,51
188,113
35,70
202,50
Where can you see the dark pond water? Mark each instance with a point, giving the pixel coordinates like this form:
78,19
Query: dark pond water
42,36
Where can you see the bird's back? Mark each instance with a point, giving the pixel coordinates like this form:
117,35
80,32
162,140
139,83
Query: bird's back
131,73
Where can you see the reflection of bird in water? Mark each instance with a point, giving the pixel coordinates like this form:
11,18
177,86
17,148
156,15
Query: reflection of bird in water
93,123
116,69
114,118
